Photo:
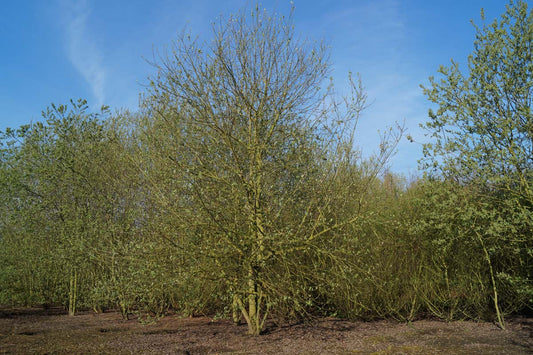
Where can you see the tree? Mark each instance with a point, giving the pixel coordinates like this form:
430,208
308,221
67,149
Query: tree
52,186
246,154
483,137
484,124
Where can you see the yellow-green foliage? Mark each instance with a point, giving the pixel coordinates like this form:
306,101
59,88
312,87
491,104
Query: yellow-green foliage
237,191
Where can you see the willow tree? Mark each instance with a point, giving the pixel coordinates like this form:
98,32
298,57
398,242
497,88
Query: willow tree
51,186
483,137
244,145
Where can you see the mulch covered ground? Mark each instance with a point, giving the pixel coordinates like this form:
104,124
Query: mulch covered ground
38,331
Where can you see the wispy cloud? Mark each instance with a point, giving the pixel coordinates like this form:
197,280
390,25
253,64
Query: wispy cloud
82,50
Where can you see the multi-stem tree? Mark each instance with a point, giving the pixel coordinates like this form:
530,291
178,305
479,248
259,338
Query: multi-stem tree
244,147
56,192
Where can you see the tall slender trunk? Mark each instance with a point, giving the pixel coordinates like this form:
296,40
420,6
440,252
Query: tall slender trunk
73,286
499,314
235,309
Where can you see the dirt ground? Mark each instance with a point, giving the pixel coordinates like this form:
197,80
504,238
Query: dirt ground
38,331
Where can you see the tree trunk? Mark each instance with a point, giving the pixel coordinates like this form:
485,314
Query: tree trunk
236,315
72,292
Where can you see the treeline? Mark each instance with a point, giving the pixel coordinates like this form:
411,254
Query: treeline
236,191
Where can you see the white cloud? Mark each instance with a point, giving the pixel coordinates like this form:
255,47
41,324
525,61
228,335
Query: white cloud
82,49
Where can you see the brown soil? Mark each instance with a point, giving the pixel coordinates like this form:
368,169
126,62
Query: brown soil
38,331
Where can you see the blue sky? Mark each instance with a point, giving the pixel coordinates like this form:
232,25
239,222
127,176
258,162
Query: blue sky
55,50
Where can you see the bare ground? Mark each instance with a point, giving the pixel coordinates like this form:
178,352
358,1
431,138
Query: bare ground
38,331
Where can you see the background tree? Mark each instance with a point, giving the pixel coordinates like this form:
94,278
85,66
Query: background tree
70,225
483,137
50,166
